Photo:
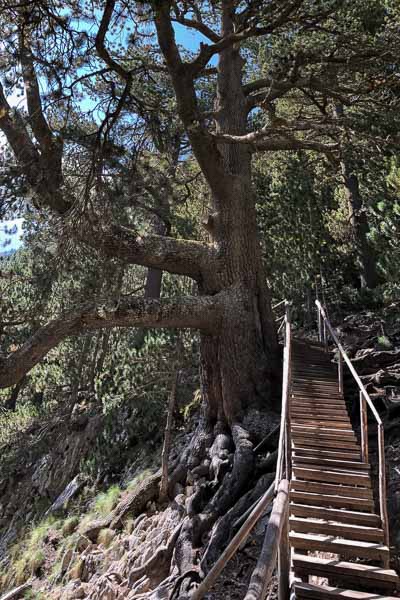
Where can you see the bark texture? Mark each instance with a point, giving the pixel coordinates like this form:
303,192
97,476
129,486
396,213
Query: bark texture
360,229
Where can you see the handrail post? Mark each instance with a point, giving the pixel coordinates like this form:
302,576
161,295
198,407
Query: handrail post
340,373
288,442
325,336
382,489
284,443
284,561
319,324
363,427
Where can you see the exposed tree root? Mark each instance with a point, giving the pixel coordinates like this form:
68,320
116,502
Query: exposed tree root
213,485
230,487
223,530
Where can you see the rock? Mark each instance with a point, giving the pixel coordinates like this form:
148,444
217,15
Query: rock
178,489
66,560
79,417
134,542
69,492
105,537
82,543
75,571
75,590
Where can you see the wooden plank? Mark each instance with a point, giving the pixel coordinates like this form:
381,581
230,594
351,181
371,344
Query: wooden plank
317,487
335,454
332,476
312,422
329,403
316,461
316,592
331,501
310,410
325,442
343,530
317,382
325,543
334,405
327,567
314,389
329,432
334,514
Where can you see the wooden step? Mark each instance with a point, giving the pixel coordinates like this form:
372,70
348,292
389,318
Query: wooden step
325,442
345,454
308,591
327,404
360,574
354,517
315,392
317,382
329,432
329,401
309,400
325,543
312,413
325,410
317,487
342,530
317,462
333,476
327,385
327,501
311,422
320,374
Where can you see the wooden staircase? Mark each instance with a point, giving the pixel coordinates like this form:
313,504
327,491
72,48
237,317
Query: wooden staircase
337,539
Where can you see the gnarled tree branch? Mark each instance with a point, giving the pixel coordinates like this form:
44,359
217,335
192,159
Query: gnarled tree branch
203,312
180,256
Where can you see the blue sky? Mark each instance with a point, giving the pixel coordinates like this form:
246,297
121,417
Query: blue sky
10,235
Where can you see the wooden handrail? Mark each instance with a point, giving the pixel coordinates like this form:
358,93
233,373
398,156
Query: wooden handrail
348,362
364,400
262,574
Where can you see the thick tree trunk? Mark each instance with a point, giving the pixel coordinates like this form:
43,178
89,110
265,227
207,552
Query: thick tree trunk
246,349
360,229
239,361
358,220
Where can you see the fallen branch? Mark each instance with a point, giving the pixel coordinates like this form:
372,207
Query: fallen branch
16,592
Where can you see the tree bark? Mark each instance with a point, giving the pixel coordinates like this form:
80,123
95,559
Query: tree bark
360,229
358,220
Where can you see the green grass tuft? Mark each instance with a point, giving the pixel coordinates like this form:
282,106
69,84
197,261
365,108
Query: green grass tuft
106,501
